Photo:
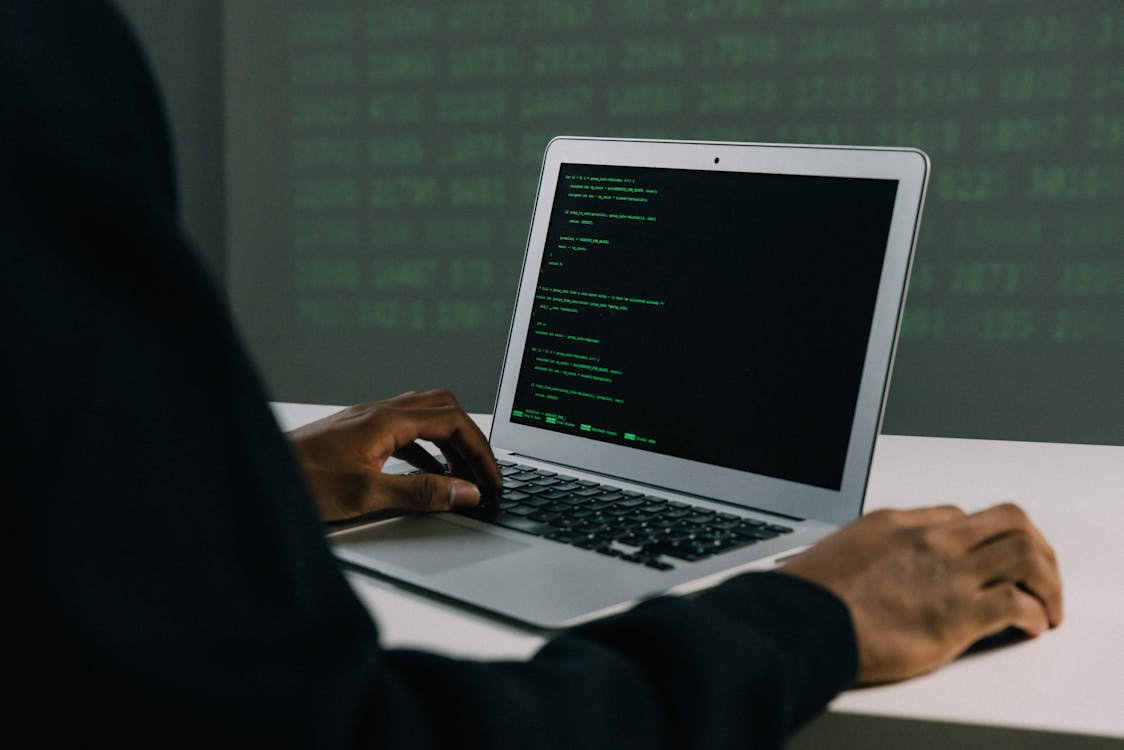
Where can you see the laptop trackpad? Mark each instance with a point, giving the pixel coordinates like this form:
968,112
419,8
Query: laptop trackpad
426,545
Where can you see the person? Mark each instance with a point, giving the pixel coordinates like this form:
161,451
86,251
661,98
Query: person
173,585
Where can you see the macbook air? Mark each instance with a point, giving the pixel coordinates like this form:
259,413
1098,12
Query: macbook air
694,379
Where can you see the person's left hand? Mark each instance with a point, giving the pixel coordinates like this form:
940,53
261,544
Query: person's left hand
343,454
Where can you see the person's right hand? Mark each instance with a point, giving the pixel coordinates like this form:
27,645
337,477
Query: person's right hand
923,585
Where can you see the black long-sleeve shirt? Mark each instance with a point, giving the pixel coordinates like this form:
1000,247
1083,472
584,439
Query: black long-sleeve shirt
171,583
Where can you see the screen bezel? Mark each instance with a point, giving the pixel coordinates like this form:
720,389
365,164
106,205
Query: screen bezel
909,167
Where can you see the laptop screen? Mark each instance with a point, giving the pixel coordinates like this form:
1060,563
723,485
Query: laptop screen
720,317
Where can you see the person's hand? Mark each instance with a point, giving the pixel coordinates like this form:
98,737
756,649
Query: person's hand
342,456
924,585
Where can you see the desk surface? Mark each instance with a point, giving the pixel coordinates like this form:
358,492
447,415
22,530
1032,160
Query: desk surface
1070,680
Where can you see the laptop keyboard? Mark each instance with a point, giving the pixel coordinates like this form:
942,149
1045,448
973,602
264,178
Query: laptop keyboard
624,524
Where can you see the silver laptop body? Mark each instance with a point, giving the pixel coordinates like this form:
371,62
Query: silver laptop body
711,324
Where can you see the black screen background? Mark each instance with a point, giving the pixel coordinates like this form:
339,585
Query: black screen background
754,359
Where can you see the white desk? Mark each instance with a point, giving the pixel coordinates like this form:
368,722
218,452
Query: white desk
1067,686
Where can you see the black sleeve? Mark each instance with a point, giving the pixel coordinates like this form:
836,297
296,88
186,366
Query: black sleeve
172,585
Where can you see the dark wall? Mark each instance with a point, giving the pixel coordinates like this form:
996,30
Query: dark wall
384,156
281,111
184,44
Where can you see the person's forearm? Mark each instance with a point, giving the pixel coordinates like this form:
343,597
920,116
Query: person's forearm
741,666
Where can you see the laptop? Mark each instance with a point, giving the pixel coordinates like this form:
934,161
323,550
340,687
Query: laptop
694,379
